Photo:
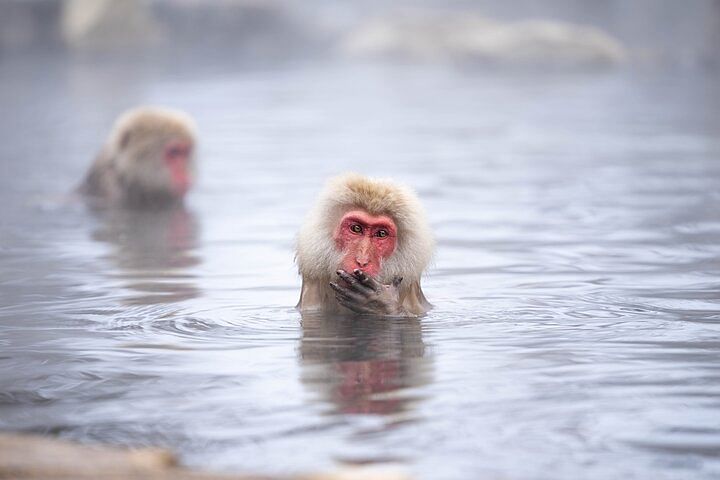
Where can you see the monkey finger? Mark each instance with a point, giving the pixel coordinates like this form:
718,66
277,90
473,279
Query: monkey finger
353,283
367,280
352,306
345,293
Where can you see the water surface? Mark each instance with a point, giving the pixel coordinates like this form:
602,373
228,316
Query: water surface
576,329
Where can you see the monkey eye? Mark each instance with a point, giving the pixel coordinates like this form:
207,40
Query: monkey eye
382,233
355,228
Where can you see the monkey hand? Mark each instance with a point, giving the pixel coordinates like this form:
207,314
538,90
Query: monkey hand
365,295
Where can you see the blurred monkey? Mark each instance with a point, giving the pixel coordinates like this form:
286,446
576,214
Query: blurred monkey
363,249
147,160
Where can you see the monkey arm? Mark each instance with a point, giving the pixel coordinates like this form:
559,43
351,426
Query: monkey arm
366,296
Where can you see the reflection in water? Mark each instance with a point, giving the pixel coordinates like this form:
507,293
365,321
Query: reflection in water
364,365
153,251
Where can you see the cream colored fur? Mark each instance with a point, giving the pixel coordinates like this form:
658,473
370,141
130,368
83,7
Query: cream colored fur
317,255
130,163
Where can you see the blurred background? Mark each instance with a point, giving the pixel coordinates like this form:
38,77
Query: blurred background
660,33
568,156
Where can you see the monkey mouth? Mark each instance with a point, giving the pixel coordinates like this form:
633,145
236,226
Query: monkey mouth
181,188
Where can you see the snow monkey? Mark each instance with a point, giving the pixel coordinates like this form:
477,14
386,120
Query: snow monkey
146,161
363,249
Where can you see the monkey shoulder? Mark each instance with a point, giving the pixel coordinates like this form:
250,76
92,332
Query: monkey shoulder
414,301
100,180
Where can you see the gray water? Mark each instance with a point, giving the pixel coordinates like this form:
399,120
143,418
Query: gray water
576,329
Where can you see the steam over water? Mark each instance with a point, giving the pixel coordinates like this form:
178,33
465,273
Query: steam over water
576,284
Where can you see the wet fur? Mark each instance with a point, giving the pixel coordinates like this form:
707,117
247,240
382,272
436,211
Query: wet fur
317,256
129,169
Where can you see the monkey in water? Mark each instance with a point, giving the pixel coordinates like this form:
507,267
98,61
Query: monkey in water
147,160
363,249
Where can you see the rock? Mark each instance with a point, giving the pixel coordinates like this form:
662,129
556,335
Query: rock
362,473
102,25
36,457
471,38
32,456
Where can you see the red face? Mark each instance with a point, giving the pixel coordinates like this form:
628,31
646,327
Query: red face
177,158
365,240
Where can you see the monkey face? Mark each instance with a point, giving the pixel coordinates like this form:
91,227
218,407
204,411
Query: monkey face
177,157
157,168
365,241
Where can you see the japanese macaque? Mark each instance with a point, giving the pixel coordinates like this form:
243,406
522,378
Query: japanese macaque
147,160
363,249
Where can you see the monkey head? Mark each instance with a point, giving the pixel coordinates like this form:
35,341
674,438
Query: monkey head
373,225
153,154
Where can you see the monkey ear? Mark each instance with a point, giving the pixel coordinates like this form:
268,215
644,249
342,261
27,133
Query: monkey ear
396,281
124,140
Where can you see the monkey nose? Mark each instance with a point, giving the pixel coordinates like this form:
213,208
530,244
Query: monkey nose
362,262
